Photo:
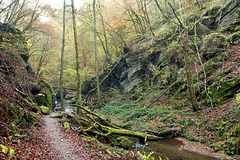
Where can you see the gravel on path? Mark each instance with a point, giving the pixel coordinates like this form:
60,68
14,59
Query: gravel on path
64,147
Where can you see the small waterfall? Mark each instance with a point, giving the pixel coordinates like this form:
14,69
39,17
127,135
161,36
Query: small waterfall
55,97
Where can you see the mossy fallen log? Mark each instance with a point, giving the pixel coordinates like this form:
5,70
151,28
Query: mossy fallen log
57,116
165,133
100,126
125,132
97,115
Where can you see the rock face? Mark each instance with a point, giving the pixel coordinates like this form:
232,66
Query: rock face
162,62
127,73
229,14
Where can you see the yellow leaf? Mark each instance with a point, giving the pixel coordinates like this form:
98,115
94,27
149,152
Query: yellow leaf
4,149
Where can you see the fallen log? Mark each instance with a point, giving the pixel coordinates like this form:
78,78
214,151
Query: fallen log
166,133
95,114
101,127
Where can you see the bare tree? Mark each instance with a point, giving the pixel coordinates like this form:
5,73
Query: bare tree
108,58
185,39
96,52
62,55
19,14
79,97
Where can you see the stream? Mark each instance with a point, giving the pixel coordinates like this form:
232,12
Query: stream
167,149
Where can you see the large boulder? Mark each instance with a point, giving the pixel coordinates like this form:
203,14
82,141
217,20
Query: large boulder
45,96
214,43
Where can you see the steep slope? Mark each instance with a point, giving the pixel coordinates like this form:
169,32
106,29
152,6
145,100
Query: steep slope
159,61
153,65
18,91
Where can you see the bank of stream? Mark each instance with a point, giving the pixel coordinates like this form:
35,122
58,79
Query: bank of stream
166,149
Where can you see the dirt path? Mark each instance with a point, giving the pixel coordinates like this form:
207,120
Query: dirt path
57,139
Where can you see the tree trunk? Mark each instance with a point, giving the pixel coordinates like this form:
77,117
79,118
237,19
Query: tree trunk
108,56
96,52
79,97
147,18
165,133
192,95
62,57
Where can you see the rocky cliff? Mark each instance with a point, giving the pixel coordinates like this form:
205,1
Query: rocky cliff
159,61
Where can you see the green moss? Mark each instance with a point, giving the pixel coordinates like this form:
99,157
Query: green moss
122,142
66,125
213,44
234,38
238,99
39,99
70,115
58,116
44,110
234,27
73,100
45,97
224,90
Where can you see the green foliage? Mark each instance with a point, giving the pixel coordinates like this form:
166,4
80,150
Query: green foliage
145,156
223,87
5,150
234,27
66,125
122,142
113,109
234,38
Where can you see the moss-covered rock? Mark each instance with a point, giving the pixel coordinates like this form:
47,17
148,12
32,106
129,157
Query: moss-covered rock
44,110
45,97
234,27
224,90
228,14
213,44
122,142
66,126
39,99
